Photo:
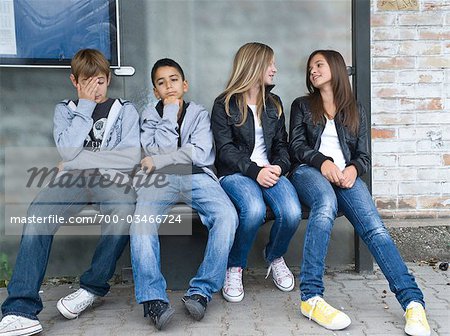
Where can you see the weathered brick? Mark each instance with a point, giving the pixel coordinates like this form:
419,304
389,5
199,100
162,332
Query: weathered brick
419,76
447,19
436,5
446,158
420,90
433,33
447,76
407,203
383,133
379,160
440,173
387,119
415,133
384,48
414,48
417,160
394,146
383,34
380,104
430,118
435,145
420,18
383,77
436,202
385,63
433,62
408,104
382,19
393,91
385,203
418,187
394,174
447,48
385,188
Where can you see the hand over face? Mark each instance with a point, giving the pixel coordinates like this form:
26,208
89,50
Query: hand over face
88,90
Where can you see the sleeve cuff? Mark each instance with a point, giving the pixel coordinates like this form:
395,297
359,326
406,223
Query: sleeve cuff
86,107
284,167
161,161
358,166
319,159
253,171
170,112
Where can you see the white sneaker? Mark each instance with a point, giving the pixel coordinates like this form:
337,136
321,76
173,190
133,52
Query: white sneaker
14,325
72,305
282,276
233,290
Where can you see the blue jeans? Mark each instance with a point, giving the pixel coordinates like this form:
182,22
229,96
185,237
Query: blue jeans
31,263
324,199
217,214
250,200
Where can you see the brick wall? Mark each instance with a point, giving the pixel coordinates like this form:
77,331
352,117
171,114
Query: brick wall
411,107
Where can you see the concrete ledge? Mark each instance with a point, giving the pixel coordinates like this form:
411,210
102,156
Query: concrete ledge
416,222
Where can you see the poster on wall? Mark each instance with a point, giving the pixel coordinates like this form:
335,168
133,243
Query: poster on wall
50,32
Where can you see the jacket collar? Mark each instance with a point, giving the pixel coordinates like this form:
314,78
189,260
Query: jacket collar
269,88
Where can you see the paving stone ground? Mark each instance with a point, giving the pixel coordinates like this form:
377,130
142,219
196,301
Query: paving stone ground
265,310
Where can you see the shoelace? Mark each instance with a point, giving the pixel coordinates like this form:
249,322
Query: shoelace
234,279
74,294
318,301
279,268
9,318
154,308
85,303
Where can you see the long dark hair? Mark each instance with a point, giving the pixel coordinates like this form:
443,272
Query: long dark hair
346,107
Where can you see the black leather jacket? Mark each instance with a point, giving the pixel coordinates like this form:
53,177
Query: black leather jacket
234,144
305,137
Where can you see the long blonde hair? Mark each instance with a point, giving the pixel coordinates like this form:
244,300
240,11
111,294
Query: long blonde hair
249,66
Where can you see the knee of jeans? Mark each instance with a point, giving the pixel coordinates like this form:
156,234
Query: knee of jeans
379,232
254,210
326,205
226,216
291,213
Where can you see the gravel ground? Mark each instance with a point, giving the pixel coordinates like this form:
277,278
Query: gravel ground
423,244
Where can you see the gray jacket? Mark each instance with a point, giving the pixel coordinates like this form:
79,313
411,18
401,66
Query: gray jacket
159,137
120,148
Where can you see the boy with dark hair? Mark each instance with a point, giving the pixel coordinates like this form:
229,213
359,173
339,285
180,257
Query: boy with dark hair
98,140
178,143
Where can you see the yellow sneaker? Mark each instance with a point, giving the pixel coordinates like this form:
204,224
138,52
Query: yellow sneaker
318,310
416,320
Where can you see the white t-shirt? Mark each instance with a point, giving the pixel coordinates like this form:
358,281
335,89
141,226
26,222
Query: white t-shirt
330,146
259,154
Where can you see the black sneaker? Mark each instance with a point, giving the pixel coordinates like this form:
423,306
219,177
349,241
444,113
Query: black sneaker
196,305
160,312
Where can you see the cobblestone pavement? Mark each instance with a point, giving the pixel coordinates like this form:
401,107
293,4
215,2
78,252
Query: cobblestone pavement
264,310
